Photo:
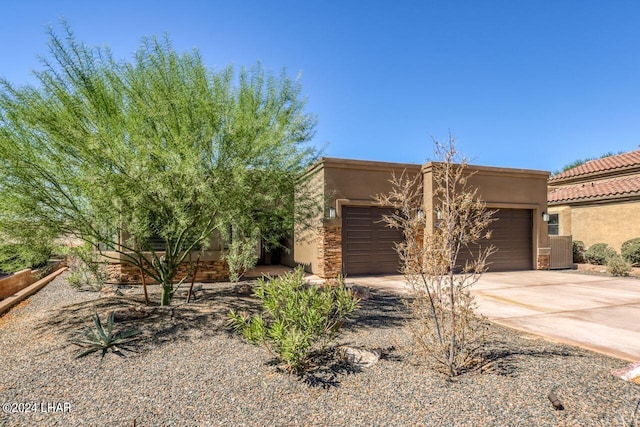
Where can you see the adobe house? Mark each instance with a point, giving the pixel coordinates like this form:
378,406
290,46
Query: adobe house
352,240
598,201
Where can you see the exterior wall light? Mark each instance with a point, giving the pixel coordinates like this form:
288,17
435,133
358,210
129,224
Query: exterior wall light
420,213
438,214
545,216
332,213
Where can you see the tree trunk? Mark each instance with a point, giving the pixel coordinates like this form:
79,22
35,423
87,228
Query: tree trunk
167,289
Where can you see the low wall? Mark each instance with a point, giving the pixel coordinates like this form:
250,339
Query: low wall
208,271
16,282
21,295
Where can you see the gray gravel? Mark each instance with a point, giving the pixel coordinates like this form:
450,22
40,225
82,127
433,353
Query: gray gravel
190,371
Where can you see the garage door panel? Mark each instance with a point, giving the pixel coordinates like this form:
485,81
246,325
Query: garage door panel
359,247
368,244
359,234
512,236
360,258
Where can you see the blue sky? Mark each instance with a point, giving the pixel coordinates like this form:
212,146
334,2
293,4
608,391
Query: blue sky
525,84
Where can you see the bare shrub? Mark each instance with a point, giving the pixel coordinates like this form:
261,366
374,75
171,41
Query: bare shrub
446,328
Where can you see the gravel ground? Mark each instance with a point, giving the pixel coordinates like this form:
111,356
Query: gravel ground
188,370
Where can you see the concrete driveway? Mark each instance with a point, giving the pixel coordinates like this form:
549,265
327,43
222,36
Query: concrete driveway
598,313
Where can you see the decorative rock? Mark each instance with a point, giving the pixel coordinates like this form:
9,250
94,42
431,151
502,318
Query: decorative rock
111,290
360,357
557,404
629,373
245,289
196,288
361,292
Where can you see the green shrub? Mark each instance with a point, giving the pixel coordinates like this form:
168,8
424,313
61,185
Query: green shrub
296,317
599,253
86,271
241,256
617,266
19,256
578,251
630,251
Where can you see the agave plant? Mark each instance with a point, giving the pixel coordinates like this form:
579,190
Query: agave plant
103,338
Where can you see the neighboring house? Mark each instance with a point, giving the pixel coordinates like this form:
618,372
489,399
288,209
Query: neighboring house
597,202
351,239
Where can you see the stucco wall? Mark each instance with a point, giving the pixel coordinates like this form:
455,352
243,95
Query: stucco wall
611,223
356,183
507,188
564,219
342,182
304,250
352,182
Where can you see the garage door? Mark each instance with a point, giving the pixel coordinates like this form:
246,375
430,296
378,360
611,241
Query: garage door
367,242
513,237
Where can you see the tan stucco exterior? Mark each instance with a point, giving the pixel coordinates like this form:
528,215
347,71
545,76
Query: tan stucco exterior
599,201
344,182
506,188
564,219
356,183
611,223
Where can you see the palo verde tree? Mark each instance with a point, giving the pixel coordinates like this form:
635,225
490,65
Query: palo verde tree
446,328
117,152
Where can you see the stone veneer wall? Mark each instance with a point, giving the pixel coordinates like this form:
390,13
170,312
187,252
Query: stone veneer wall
208,271
544,262
329,251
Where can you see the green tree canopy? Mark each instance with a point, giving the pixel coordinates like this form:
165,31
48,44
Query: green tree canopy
580,162
114,152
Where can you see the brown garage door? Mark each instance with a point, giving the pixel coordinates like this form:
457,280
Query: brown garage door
367,242
512,236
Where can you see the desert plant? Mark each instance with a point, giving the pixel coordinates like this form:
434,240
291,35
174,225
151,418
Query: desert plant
86,270
26,254
618,266
446,328
296,317
123,153
101,338
630,251
578,251
241,255
599,253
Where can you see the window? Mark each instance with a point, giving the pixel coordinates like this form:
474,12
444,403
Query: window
554,225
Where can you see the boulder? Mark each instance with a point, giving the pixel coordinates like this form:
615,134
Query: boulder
361,292
110,291
629,373
245,289
196,292
360,357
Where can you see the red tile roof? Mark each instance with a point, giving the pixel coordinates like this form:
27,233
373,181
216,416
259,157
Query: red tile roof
611,163
608,188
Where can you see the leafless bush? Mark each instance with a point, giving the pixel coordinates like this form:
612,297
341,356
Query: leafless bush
445,328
